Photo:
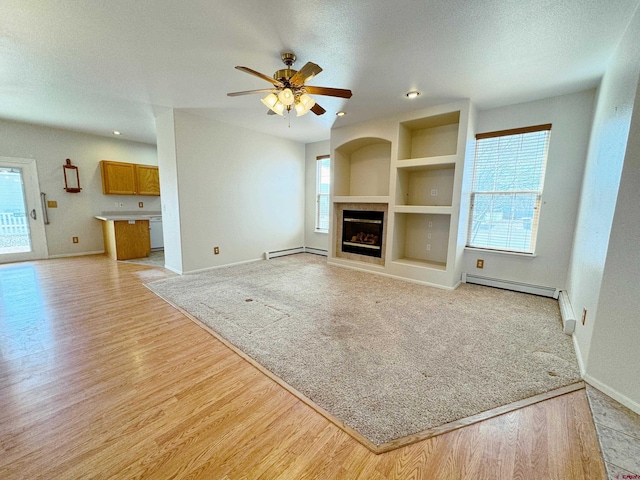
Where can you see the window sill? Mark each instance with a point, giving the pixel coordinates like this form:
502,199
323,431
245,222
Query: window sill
321,231
500,252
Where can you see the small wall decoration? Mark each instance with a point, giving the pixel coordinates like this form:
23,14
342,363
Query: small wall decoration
71,177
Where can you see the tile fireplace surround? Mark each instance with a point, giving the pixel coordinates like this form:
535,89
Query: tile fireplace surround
338,215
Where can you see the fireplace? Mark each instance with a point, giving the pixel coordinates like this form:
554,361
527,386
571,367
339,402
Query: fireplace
362,232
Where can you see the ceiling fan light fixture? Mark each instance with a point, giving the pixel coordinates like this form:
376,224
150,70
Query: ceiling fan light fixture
307,101
278,108
288,90
286,97
300,109
270,100
304,104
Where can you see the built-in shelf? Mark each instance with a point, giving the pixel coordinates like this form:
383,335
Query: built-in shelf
430,136
362,168
421,238
427,161
421,263
428,185
360,199
411,166
435,210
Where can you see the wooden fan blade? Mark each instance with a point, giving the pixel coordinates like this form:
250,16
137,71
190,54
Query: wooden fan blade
269,79
305,74
330,92
317,109
249,92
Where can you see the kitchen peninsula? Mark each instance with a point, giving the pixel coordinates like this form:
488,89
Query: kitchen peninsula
126,234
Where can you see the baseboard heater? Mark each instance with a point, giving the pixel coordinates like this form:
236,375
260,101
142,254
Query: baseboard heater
566,310
511,285
292,251
316,251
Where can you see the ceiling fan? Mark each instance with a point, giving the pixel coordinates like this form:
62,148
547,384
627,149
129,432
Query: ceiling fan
290,90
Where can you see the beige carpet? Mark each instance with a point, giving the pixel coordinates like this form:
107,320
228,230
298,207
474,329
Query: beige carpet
386,357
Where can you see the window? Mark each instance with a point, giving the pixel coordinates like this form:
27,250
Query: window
508,174
323,179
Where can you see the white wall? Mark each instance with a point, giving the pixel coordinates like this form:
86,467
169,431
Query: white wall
614,364
606,157
167,163
603,273
571,118
74,215
312,238
239,190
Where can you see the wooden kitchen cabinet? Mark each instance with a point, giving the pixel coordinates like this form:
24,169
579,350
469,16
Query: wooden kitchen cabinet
126,239
148,180
120,178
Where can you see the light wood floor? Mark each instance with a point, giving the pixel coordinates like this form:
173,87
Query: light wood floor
99,378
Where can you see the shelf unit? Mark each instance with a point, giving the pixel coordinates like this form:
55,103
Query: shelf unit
361,168
426,185
429,136
421,155
421,239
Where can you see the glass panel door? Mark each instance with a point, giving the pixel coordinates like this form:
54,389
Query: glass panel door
14,226
22,233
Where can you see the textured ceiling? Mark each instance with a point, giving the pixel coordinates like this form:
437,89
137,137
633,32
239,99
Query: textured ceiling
101,66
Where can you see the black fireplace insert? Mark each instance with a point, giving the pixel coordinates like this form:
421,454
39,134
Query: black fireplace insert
362,232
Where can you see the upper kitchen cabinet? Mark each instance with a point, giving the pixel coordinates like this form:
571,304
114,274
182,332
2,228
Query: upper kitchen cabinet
119,178
148,180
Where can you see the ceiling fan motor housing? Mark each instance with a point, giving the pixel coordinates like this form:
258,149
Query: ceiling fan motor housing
285,74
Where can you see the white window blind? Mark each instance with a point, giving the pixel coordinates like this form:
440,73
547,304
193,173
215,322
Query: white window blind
508,175
323,179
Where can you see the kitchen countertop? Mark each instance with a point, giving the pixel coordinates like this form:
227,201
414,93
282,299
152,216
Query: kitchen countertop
123,216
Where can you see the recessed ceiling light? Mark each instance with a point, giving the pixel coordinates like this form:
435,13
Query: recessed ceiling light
412,94
116,132
341,113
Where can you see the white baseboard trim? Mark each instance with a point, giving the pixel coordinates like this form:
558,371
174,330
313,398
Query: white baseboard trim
267,256
292,251
200,270
576,348
613,393
82,254
511,285
566,312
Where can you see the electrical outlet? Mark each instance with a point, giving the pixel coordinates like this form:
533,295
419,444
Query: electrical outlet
140,204
479,263
216,250
584,315
117,204
75,240
52,204
434,192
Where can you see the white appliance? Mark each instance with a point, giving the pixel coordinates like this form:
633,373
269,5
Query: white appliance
155,231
